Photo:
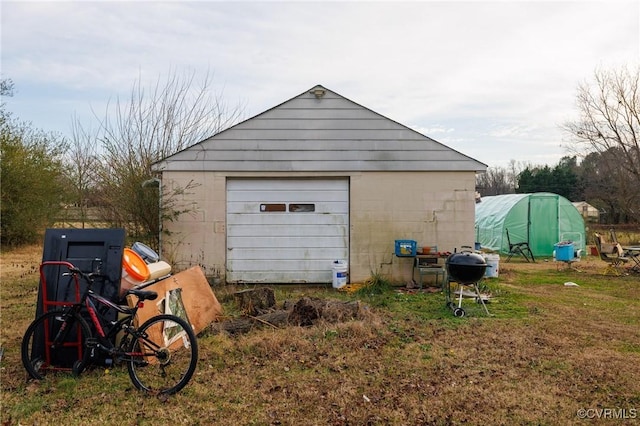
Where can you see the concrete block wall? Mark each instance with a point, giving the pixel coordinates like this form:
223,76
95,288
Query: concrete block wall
432,208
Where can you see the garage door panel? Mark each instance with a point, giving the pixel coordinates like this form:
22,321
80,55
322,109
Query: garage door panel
289,196
239,244
255,207
285,231
318,219
292,253
286,277
293,265
290,245
311,184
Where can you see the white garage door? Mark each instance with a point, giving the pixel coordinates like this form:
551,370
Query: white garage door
286,230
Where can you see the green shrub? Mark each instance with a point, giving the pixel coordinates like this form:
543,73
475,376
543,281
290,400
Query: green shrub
31,176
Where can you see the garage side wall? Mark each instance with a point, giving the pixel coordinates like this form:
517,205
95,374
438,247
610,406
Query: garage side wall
197,236
433,208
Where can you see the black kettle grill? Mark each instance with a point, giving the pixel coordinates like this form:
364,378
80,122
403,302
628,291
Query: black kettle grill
466,267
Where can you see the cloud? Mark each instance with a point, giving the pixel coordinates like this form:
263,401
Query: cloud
433,130
476,74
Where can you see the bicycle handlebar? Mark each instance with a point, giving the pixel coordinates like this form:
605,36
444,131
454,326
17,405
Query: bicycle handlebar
89,277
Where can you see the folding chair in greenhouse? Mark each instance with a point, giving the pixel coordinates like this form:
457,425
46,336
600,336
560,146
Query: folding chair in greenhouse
521,248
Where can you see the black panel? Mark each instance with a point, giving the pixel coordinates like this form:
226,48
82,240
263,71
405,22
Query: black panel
90,250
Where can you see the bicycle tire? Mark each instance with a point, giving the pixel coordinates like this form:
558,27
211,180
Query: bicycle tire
42,355
160,365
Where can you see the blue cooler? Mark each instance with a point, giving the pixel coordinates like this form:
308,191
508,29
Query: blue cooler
564,251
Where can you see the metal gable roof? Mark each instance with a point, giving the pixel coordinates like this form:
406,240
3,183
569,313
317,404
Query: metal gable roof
319,130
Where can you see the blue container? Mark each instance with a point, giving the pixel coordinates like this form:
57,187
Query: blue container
145,252
564,251
406,248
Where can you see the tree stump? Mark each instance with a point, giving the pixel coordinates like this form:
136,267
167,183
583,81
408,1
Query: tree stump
304,312
256,301
308,310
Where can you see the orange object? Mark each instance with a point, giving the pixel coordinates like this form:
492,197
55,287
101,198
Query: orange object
135,265
134,271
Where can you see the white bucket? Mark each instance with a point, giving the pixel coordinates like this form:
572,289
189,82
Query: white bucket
340,269
158,269
493,265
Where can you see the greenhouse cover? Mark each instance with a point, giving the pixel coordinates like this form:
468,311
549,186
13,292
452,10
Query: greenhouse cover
542,219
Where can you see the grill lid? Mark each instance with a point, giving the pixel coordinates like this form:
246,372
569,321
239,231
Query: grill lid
466,267
466,258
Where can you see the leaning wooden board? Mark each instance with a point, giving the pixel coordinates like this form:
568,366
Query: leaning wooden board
200,303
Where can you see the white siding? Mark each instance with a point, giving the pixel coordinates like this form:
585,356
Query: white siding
330,134
285,246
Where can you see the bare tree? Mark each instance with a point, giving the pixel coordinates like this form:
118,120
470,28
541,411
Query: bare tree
494,181
82,163
150,125
609,123
499,180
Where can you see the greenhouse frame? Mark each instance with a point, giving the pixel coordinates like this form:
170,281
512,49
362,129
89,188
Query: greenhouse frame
542,219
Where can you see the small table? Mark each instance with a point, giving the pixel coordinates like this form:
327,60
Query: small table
428,265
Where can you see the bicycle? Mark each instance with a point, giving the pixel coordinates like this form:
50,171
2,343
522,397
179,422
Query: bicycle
161,354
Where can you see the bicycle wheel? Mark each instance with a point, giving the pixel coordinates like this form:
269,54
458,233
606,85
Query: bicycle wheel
53,342
163,355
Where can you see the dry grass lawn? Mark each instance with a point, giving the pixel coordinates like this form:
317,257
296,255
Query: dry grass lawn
548,352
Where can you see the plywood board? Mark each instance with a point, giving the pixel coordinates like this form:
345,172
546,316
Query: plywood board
200,303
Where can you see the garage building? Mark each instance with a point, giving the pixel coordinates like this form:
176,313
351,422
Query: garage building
279,197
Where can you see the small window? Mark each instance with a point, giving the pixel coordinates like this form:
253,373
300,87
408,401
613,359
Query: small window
302,208
265,208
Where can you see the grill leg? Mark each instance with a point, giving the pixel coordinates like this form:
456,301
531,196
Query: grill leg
475,286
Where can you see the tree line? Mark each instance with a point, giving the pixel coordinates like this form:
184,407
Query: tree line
589,180
106,165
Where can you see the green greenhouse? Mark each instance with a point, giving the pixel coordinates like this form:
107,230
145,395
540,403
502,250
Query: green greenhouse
542,219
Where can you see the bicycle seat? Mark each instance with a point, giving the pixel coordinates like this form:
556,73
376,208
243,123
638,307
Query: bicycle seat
143,294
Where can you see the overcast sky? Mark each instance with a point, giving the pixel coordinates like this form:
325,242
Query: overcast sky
493,80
